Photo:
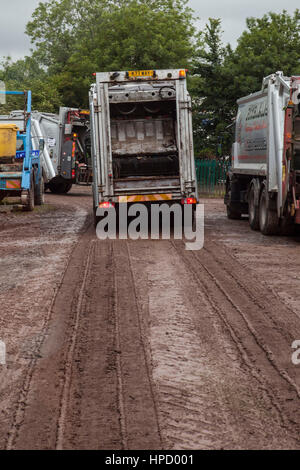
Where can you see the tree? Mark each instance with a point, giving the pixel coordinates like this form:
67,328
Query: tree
26,74
74,38
211,110
269,44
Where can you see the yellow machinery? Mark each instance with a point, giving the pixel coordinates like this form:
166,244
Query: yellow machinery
8,140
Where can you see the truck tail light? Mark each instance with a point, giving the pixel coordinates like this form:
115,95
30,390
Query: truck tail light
189,200
73,173
106,204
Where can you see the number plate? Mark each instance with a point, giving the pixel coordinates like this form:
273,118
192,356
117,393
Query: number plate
140,73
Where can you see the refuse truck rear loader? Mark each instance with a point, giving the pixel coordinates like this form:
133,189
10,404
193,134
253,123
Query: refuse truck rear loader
142,139
264,179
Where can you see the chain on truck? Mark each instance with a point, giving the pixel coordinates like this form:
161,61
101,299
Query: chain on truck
142,140
264,180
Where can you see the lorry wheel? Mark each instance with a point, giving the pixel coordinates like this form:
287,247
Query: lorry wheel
268,219
253,210
232,214
96,218
287,225
60,187
29,205
39,196
67,188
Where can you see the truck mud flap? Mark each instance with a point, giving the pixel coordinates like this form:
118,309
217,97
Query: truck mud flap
66,160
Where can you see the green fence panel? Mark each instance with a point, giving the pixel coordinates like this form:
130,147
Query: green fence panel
211,176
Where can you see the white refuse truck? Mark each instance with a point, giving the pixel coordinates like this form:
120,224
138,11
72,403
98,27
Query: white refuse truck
264,179
142,139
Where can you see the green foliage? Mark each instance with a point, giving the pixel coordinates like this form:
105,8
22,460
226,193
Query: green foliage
211,110
75,38
26,74
270,43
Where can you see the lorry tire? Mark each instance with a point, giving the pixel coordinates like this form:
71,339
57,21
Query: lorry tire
95,217
61,187
287,224
68,187
253,210
39,195
268,219
29,205
232,212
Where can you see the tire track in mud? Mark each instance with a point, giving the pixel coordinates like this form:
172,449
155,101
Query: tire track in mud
91,387
20,406
190,406
70,354
265,297
119,372
279,333
215,387
150,346
41,391
122,414
144,343
262,365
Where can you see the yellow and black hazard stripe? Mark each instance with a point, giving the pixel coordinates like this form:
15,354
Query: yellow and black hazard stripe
145,198
13,184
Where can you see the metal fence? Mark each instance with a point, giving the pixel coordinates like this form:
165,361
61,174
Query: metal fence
211,176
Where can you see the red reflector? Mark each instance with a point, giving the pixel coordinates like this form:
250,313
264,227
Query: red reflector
106,204
189,200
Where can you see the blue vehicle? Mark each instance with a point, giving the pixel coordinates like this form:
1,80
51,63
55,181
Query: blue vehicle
20,168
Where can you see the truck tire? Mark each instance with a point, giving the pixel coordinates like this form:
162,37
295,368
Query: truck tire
61,187
68,187
287,224
268,219
96,218
232,213
29,206
253,210
39,196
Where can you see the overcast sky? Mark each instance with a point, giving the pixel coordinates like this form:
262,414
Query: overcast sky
16,13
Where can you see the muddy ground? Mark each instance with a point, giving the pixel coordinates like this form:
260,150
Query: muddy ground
142,344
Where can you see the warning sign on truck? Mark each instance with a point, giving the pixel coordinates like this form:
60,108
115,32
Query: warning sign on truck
51,142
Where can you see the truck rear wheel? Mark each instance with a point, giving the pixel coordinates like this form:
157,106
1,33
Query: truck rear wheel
96,218
253,210
268,219
59,187
39,196
232,212
29,204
